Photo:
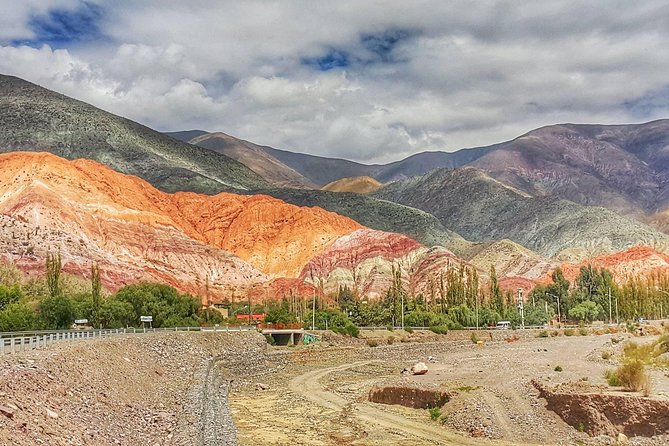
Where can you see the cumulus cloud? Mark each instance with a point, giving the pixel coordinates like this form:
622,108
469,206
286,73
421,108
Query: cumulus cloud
370,81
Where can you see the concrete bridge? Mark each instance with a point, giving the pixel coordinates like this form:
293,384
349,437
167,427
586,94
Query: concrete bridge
289,336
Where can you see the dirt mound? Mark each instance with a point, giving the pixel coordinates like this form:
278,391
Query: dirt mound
607,414
408,396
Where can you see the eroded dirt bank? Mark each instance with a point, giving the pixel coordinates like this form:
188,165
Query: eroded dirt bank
154,389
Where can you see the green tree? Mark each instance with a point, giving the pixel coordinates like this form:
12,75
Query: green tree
17,317
96,294
57,312
586,311
53,269
10,295
496,297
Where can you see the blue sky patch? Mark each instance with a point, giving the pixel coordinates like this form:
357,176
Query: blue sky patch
332,59
384,43
62,27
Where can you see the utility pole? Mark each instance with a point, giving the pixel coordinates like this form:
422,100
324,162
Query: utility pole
521,307
477,311
558,306
313,312
402,311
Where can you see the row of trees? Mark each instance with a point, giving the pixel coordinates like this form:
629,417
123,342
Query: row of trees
455,298
56,301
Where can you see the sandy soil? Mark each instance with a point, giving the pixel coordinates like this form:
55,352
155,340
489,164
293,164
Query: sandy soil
320,396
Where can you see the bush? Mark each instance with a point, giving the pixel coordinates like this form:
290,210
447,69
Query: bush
555,333
569,332
611,377
372,342
558,368
632,376
435,413
583,331
439,329
542,334
390,340
606,355
474,338
408,330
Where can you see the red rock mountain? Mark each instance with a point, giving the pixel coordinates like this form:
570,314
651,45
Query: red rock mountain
92,213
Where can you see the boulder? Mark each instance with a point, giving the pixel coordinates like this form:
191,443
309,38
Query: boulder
419,369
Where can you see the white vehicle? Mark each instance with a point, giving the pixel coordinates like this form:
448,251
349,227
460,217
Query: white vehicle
504,325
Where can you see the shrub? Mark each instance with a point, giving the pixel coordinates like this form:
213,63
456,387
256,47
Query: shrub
606,355
611,377
390,328
555,333
558,368
632,376
372,342
408,330
439,329
390,340
542,334
583,331
569,332
435,413
474,338
270,340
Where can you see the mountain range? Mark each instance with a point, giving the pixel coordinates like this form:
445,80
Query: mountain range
194,206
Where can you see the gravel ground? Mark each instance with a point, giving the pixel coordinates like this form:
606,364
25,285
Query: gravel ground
134,390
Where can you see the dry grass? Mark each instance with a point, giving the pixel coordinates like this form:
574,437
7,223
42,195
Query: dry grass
633,377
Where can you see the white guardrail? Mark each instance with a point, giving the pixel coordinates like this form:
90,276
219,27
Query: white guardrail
19,341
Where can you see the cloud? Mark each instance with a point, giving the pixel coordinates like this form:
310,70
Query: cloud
63,26
372,81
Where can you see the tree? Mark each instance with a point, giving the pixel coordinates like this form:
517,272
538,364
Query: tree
496,298
57,312
586,311
10,295
96,293
53,268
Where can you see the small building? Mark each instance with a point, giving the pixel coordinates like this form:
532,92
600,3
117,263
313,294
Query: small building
255,317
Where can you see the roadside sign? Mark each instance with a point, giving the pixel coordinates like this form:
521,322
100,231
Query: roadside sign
146,318
81,321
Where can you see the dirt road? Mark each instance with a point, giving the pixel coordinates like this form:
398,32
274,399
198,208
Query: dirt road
308,385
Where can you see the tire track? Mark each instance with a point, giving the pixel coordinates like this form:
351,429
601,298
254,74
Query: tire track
308,385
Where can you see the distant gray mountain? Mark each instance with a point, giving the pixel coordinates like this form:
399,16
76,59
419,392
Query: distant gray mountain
33,118
481,208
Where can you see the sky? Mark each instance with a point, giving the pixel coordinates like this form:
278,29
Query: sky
371,81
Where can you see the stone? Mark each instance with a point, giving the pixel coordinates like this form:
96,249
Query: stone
622,439
261,386
419,369
7,411
51,414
